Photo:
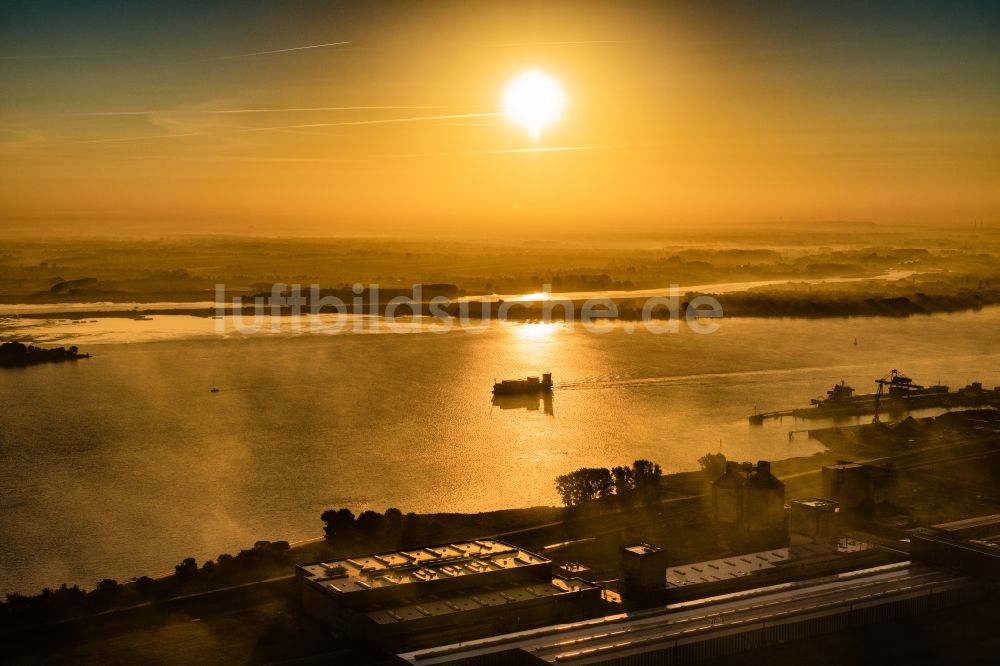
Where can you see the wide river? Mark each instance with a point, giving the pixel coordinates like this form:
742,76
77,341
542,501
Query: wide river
126,463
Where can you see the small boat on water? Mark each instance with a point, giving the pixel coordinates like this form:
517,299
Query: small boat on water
213,390
524,386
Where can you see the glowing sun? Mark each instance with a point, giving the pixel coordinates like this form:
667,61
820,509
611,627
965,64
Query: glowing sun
534,100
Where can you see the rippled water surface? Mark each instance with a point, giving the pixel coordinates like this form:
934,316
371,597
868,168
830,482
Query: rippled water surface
124,464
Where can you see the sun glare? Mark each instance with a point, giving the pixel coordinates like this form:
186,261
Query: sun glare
536,331
534,100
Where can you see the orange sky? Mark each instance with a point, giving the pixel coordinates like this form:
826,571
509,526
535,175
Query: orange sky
679,113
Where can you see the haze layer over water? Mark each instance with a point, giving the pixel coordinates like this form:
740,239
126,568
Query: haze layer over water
123,464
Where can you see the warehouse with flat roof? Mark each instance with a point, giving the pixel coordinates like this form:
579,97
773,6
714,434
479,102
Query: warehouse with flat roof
769,567
971,545
720,626
443,593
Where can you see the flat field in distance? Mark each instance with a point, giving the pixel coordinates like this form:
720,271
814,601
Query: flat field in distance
187,268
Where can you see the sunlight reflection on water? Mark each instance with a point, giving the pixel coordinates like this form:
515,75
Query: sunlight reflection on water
306,422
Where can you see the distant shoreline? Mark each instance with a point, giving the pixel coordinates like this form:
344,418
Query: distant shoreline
741,305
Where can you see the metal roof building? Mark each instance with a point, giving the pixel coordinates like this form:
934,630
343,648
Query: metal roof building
971,546
719,626
441,593
740,572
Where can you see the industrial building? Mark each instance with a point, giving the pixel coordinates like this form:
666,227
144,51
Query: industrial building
814,520
727,496
715,627
442,593
647,580
858,486
770,567
749,502
745,602
641,582
971,546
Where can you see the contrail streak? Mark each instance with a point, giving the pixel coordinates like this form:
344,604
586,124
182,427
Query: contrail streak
294,48
509,151
468,124
376,158
117,113
140,138
398,107
577,41
383,121
346,108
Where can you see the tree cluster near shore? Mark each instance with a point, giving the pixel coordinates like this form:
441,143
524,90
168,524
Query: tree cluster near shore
343,530
392,527
713,465
19,355
265,560
590,484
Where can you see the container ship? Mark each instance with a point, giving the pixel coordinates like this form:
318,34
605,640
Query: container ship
529,385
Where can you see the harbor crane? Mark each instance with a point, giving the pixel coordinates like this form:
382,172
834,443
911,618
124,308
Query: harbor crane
894,384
